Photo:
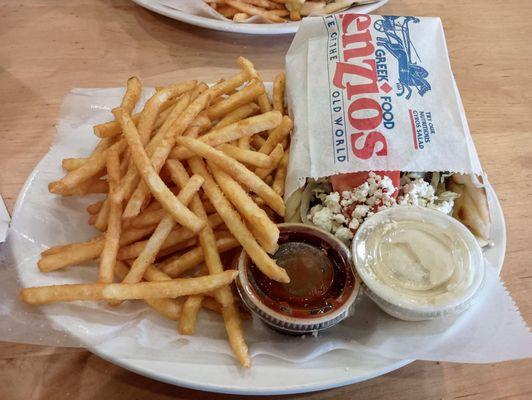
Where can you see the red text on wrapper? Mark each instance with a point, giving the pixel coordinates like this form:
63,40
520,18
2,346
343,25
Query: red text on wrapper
357,75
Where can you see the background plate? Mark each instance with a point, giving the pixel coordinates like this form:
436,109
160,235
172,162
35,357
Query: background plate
227,26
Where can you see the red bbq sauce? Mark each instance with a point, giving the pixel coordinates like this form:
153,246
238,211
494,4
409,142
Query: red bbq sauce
321,278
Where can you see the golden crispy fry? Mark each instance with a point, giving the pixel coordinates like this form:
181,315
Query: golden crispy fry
133,89
241,17
94,207
240,98
278,92
280,174
238,114
275,156
155,104
92,166
108,130
169,308
210,303
262,99
252,10
226,11
92,185
178,235
148,254
277,135
248,157
147,218
158,157
237,170
163,253
114,226
207,240
245,127
235,333
160,191
264,230
236,226
124,291
78,253
191,307
258,141
70,164
176,266
244,143
263,4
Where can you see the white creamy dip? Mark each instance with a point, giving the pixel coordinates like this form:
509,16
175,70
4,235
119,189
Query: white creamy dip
417,258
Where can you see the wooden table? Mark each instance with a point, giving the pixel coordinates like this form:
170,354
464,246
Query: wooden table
49,47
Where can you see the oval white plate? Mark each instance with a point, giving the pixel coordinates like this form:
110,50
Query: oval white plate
268,376
228,26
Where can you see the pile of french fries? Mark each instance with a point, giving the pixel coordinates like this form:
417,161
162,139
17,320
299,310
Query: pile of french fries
198,172
276,11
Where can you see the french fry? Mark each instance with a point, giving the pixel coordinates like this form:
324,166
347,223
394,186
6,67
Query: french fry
191,307
148,254
262,99
227,12
78,253
114,226
124,291
70,164
264,230
240,98
237,170
235,333
133,89
245,127
277,135
248,157
244,143
158,157
178,235
280,174
236,226
208,245
177,266
258,141
252,10
169,308
92,166
238,114
94,207
210,303
178,211
148,116
147,218
275,156
278,92
108,130
263,4
177,248
241,17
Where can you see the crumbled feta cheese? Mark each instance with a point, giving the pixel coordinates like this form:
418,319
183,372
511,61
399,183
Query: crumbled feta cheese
332,201
344,234
354,224
322,217
360,212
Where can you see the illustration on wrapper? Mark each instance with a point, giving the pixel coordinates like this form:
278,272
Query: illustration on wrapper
398,43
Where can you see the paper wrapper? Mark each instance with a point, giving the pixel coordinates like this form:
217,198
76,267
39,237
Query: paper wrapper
374,93
133,330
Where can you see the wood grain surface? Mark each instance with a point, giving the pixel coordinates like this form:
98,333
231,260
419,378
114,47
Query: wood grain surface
49,47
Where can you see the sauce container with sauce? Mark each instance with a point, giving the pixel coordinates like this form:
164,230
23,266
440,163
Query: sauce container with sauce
417,263
322,286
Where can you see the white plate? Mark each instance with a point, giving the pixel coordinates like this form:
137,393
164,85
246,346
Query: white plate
268,376
228,26
39,216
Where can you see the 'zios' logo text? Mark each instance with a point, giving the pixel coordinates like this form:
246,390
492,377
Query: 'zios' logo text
357,75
